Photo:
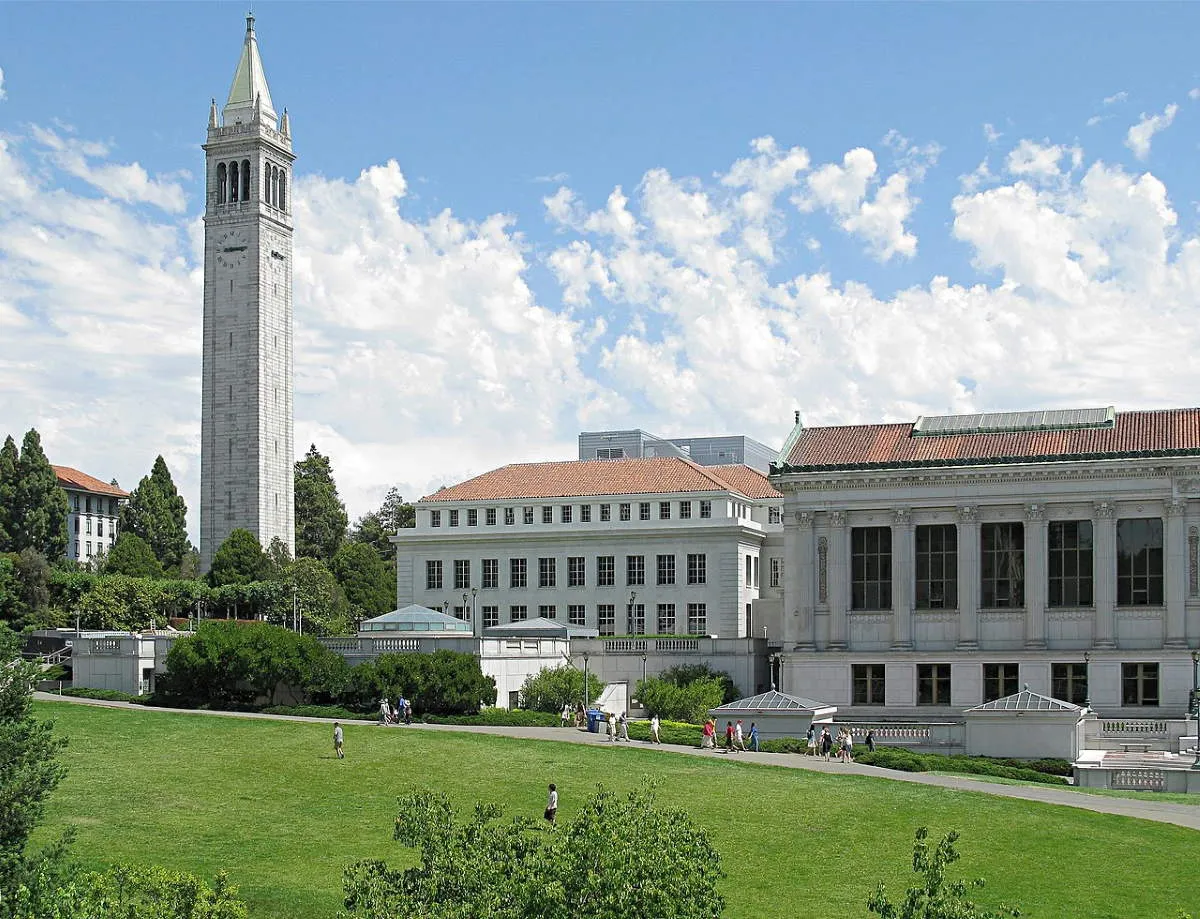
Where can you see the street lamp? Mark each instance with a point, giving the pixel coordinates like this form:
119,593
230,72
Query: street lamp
1087,680
643,667
466,607
585,681
1195,700
629,614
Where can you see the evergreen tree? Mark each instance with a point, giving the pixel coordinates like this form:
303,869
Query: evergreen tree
8,485
40,504
376,527
132,556
320,514
157,513
239,560
369,586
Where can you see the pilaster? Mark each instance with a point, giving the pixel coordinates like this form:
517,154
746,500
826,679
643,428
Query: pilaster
1104,526
803,564
1175,570
903,578
968,578
839,579
1036,564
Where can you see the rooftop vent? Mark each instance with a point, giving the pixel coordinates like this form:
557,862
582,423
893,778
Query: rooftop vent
1005,422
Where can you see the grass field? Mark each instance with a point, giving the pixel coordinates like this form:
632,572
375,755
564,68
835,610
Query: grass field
268,802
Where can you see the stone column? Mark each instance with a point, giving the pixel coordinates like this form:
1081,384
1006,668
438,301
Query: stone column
1036,574
839,579
1104,525
968,578
1175,573
805,565
791,582
903,578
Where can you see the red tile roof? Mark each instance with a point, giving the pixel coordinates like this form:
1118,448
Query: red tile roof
81,481
584,478
1159,433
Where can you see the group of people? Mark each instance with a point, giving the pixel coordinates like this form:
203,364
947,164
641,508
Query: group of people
736,736
822,744
397,713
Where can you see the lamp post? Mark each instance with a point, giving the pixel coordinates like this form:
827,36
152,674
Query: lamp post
466,608
643,667
586,700
629,613
1195,700
1087,680
475,629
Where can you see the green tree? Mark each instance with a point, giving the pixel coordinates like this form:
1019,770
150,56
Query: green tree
279,560
320,514
239,560
33,576
157,513
10,588
147,893
550,689
683,674
132,556
321,603
39,513
935,897
376,527
679,703
619,857
442,683
369,586
8,493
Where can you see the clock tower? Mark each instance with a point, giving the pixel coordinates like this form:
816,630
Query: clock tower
246,449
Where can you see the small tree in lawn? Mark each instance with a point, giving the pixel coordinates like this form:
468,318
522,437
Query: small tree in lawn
935,897
550,689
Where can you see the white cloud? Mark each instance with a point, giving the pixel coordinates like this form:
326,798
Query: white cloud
990,133
3,92
556,178
1116,97
1139,136
1029,158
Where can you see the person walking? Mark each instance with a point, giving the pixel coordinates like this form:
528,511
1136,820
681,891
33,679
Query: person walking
753,736
565,715
552,804
612,728
654,727
337,740
623,723
385,711
871,740
739,740
811,741
408,711
708,736
728,736
848,747
826,743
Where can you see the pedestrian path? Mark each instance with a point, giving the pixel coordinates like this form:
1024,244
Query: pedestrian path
1185,815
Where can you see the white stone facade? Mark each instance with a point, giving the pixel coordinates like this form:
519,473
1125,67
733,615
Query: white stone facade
247,450
91,524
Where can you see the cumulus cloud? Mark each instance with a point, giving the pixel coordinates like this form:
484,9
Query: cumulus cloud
1139,135
3,92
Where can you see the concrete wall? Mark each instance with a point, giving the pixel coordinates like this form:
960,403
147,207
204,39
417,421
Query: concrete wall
1023,735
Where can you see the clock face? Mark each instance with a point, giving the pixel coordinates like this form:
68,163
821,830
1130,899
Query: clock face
233,248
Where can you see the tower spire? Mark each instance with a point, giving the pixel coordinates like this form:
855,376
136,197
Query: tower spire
249,83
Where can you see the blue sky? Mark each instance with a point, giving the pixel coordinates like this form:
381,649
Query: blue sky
455,163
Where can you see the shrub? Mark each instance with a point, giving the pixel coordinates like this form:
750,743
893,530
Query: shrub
908,761
675,732
499,717
550,689
442,683
106,695
686,674
784,745
335,712
672,702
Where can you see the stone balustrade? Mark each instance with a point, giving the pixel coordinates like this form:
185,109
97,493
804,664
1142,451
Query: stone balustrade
1138,779
1142,727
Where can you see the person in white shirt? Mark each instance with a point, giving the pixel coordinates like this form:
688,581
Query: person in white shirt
654,738
612,727
337,740
739,742
552,803
566,714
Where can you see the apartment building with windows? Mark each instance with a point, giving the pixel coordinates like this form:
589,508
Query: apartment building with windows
658,546
932,566
92,509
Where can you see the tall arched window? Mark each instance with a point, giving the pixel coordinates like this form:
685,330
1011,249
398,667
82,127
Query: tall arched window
268,186
234,185
275,185
245,180
222,178
282,190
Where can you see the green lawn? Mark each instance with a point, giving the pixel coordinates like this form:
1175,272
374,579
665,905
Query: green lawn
268,802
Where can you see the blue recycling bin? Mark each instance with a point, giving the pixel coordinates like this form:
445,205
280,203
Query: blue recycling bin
593,717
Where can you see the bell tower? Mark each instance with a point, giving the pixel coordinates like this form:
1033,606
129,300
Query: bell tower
246,449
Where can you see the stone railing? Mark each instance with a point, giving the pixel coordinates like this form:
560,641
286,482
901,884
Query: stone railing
940,735
626,646
675,645
1142,727
394,645
668,645
1138,779
106,645
340,645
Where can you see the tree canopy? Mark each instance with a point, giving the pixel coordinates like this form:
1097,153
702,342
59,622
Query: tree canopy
132,556
368,584
239,560
320,514
375,527
35,505
8,492
157,513
550,689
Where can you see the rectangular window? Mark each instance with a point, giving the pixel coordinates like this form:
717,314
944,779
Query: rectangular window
547,572
705,510
1069,682
664,510
88,505
489,517
460,612
75,503
933,684
89,526
518,613
510,516
564,514
89,548
491,616
527,514
666,619
1002,565
1140,562
697,618
637,619
585,513
867,684
610,453
433,574
547,514
635,570
937,566
1000,680
606,571
548,612
577,614
491,574
666,570
776,572
518,573
624,508
462,573
454,518
871,568
605,513
99,527
606,618
697,563
643,510
1139,684
576,576
76,548
1069,562
773,515
685,510
756,571
435,518
76,526
472,517
749,571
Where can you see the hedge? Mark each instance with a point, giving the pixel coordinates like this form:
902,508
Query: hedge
498,717
908,761
106,695
674,732
336,712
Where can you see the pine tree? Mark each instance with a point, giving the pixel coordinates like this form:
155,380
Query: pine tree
239,560
157,513
40,504
320,514
8,485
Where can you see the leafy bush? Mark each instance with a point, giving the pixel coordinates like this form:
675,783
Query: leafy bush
550,689
784,745
686,674
908,761
688,703
499,717
148,893
442,683
676,732
335,712
106,695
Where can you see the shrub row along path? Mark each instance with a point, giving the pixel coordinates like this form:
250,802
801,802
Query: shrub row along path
1185,815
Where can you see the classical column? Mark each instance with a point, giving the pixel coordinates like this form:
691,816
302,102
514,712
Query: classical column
903,578
1036,564
839,579
805,564
1104,525
968,578
1175,572
791,581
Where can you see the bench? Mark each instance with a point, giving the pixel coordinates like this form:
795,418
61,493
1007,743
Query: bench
1135,747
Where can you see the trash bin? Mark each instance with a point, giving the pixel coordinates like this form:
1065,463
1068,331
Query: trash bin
593,718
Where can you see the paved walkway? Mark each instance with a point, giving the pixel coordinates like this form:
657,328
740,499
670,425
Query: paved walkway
1185,815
